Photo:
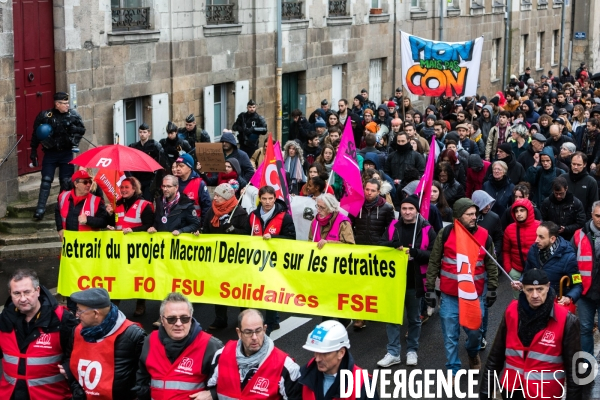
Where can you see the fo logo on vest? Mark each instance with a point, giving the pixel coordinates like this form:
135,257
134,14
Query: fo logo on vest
105,162
548,338
44,341
89,373
261,385
186,364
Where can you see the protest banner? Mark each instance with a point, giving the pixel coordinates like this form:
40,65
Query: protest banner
211,157
432,68
340,280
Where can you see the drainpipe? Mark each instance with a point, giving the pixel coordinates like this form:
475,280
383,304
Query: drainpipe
394,49
562,39
441,21
507,39
279,73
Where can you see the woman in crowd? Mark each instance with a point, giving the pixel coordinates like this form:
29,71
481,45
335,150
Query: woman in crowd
444,173
333,120
438,199
499,187
232,171
326,158
295,166
316,170
460,172
329,225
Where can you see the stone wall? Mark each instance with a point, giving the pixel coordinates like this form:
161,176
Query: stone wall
8,137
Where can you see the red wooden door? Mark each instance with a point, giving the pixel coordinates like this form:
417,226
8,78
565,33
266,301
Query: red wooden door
34,70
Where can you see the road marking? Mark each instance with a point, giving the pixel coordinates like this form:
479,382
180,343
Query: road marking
288,325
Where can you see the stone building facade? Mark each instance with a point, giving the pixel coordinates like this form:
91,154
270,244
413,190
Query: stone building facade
170,58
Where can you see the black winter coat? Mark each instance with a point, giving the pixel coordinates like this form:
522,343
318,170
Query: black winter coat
397,163
240,222
491,222
453,192
371,224
288,230
568,213
181,218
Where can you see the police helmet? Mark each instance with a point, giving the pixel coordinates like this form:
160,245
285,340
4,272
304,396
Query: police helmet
43,131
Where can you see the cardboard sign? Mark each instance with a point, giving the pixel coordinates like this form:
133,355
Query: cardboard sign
211,157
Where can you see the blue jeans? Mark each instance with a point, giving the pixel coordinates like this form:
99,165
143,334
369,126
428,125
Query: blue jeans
412,307
451,332
587,310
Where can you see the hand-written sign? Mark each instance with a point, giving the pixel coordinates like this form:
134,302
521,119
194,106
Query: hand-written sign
211,157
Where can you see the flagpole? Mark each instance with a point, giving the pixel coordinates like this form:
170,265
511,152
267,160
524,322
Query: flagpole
416,223
238,203
499,266
316,224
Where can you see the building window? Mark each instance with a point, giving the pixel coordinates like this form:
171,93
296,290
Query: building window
555,46
375,4
539,50
337,8
129,15
477,3
220,110
375,68
220,12
523,52
414,3
495,57
292,9
132,118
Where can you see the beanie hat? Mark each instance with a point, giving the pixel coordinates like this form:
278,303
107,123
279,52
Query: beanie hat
359,98
494,101
506,147
371,127
225,191
535,276
391,104
186,159
319,123
234,184
412,199
368,111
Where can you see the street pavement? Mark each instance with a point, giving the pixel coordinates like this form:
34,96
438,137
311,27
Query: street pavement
367,345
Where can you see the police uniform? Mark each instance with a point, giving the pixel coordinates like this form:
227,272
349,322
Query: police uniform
249,127
174,148
154,150
67,131
193,136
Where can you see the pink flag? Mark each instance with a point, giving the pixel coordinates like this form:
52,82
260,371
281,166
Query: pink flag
346,166
424,187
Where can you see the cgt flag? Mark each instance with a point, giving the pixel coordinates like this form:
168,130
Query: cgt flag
346,166
272,172
431,68
467,251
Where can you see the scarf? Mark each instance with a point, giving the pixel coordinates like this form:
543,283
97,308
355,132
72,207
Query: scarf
168,205
545,254
577,177
77,199
328,167
501,134
323,221
93,333
589,142
596,238
294,167
266,215
224,177
248,363
174,348
222,209
532,321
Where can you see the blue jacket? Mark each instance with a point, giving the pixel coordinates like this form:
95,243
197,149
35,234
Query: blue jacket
562,262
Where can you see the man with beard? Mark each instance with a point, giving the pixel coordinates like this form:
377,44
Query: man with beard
530,115
581,184
404,157
516,172
497,135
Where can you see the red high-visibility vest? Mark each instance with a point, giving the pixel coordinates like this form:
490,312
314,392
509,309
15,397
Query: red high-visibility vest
42,359
308,394
191,191
133,217
526,364
449,273
93,364
90,208
585,258
272,228
182,378
264,385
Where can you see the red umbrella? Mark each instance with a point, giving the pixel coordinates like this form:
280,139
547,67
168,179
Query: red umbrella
117,157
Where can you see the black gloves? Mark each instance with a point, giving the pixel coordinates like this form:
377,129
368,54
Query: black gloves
490,298
413,252
431,299
77,391
33,156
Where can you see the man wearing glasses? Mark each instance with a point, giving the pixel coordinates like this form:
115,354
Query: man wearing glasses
106,348
78,209
175,211
265,371
176,360
58,144
34,336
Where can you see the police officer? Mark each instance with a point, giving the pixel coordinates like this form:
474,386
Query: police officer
190,132
173,145
154,149
249,126
64,129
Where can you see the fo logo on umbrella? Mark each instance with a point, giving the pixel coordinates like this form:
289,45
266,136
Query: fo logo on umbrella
104,162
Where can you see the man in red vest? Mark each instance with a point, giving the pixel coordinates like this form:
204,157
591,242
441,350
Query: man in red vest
442,264
192,185
106,348
587,246
78,209
320,378
535,346
176,360
252,368
34,333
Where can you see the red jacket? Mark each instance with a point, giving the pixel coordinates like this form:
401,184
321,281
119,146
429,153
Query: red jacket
475,179
527,234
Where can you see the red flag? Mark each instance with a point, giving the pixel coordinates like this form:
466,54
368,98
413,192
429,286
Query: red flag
467,252
109,181
272,174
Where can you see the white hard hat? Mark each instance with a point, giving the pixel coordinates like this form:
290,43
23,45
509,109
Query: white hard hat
326,337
